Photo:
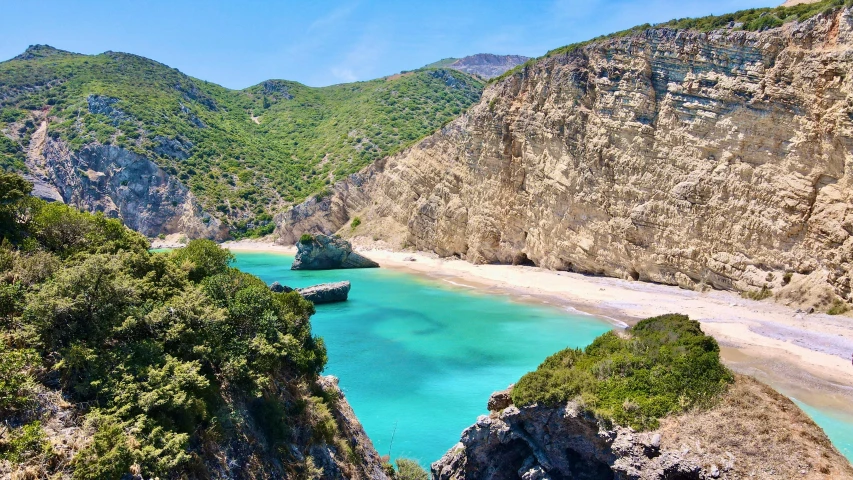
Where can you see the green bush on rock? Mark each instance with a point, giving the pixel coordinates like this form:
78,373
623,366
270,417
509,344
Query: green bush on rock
660,366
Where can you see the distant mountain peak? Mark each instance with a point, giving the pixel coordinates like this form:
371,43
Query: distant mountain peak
486,65
40,51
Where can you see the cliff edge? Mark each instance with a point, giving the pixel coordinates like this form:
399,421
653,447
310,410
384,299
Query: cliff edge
754,432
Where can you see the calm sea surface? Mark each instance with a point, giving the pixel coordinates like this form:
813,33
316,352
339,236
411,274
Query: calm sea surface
418,358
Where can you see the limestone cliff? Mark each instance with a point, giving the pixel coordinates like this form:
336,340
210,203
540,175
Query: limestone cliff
671,156
754,432
119,183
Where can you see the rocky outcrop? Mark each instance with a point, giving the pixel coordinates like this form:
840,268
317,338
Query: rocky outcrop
500,400
369,466
487,65
322,252
279,288
753,432
678,157
326,292
119,183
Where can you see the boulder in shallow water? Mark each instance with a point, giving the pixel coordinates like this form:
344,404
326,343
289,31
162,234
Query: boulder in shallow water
326,292
322,252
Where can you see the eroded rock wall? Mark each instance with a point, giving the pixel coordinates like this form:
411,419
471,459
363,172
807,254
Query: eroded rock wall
121,184
678,157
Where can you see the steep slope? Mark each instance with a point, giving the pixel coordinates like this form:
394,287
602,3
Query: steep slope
241,155
117,362
669,155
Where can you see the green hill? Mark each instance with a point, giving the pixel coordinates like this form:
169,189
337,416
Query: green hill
244,154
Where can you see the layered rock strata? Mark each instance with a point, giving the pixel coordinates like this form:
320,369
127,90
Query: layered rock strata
323,252
671,156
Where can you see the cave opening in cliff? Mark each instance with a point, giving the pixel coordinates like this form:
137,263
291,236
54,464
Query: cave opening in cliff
588,468
521,259
635,275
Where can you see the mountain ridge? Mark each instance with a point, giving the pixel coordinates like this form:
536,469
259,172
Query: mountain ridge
243,154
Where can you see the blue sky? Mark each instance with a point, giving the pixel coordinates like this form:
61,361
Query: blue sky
239,44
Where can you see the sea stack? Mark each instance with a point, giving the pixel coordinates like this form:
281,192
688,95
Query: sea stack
321,252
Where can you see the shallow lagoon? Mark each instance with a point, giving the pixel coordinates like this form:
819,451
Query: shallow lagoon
418,358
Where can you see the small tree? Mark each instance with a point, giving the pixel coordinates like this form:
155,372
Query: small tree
203,258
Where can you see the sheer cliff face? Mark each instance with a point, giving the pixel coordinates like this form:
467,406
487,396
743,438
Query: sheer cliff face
669,156
119,183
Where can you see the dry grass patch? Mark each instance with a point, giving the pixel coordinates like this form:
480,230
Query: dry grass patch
755,432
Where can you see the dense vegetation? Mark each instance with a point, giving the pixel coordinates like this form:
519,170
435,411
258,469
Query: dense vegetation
245,154
662,365
170,358
753,19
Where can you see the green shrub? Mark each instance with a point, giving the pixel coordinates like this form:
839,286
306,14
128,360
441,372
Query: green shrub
17,384
202,258
24,443
759,295
306,238
156,346
408,469
838,307
355,223
663,365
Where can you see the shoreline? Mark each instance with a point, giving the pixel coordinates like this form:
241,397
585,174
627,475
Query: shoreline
755,337
804,356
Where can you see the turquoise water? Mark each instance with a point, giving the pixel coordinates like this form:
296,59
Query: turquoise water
838,427
418,359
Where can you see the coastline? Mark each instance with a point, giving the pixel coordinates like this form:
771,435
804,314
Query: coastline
805,356
798,354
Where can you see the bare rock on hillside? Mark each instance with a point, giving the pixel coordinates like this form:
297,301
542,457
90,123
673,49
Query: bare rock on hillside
487,65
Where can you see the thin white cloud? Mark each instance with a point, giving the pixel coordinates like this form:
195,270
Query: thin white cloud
346,75
363,58
333,18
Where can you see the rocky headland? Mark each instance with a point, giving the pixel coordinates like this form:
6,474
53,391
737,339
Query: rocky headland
651,403
754,432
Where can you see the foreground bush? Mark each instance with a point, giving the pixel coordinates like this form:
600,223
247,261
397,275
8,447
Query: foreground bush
660,366
154,349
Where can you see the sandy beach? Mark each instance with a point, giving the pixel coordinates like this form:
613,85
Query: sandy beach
806,356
